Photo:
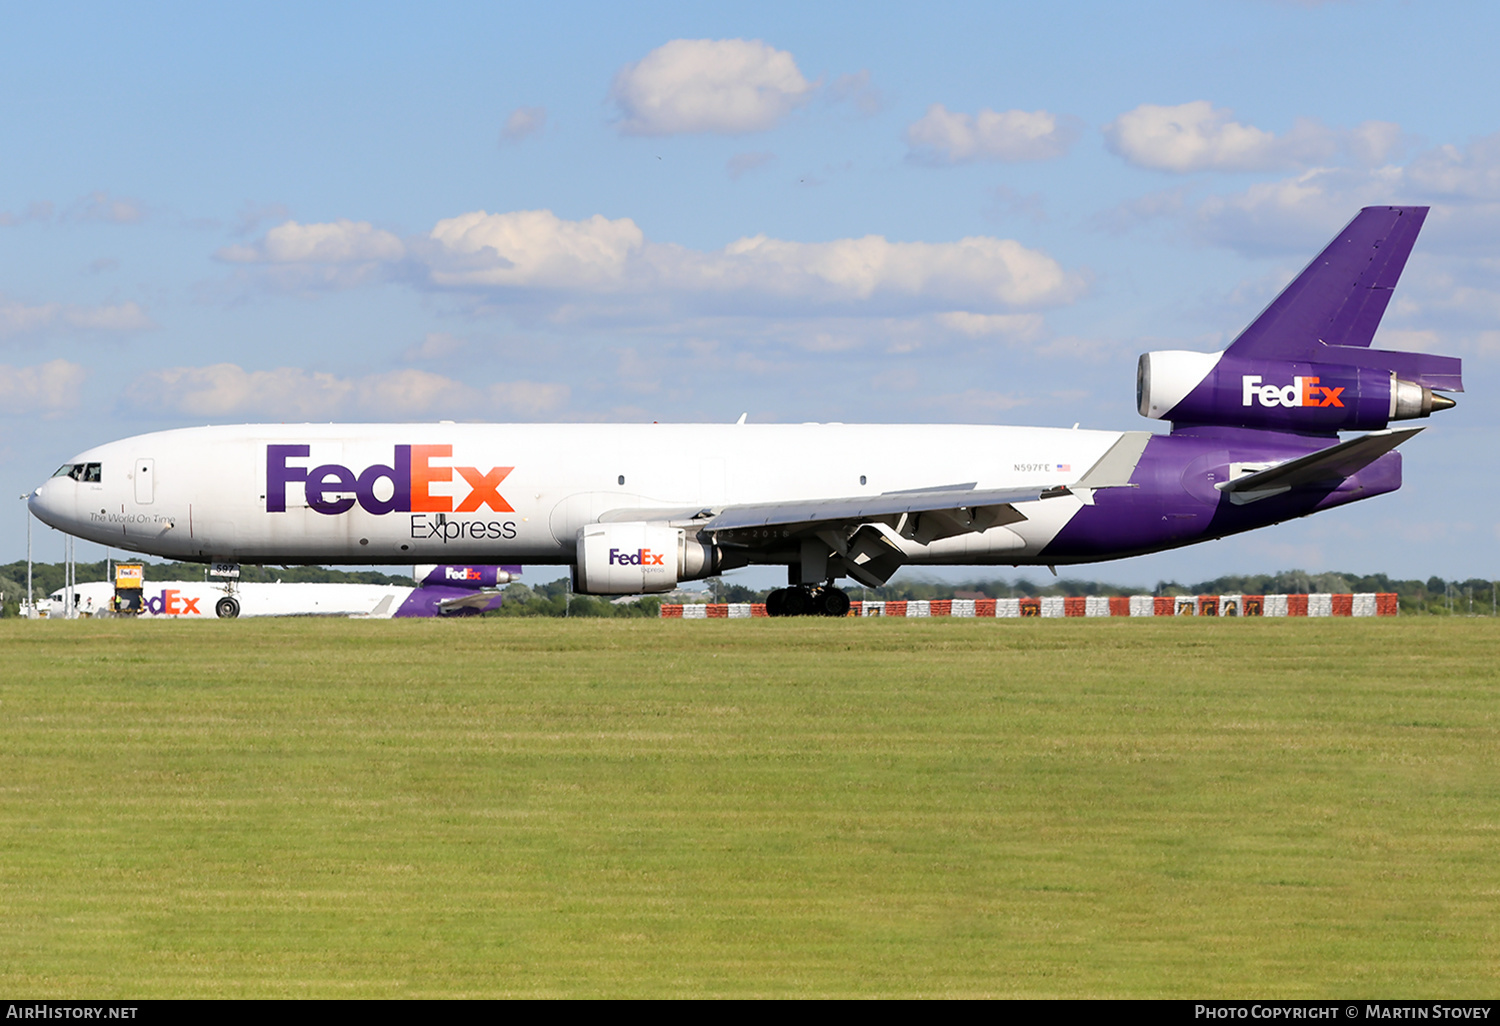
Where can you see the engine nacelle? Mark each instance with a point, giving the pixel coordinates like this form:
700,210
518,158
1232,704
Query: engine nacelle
1221,389
638,559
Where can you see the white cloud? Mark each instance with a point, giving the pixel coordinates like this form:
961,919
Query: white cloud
727,86
536,249
116,317
979,271
338,254
339,242
942,136
532,248
101,206
1372,143
972,325
606,271
1462,184
47,388
741,163
17,318
1292,214
252,215
524,122
1470,173
1198,136
39,210
856,89
436,345
293,393
1132,213
976,404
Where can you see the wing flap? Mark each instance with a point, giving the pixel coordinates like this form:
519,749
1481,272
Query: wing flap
866,508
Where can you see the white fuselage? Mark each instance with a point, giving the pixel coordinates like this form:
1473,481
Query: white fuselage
198,600
522,492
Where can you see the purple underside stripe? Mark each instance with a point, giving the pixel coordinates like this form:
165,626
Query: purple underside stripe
1175,502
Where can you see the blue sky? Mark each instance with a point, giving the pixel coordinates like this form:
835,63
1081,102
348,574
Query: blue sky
954,213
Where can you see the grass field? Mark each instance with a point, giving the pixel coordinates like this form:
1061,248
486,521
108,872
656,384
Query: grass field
506,807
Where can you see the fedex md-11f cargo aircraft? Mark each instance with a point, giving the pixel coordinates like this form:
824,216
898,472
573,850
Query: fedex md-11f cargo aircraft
636,508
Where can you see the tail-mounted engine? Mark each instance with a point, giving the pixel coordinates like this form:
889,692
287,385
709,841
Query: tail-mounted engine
1287,395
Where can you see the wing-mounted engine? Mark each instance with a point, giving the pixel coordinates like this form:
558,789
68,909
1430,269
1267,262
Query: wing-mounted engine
638,558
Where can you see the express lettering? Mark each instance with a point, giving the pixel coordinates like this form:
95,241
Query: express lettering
332,489
444,530
1303,391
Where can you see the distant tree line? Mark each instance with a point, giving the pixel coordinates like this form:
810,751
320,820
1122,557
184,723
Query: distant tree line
1434,596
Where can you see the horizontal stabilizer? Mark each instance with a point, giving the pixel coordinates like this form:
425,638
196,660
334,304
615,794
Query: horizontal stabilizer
1340,297
1325,466
480,600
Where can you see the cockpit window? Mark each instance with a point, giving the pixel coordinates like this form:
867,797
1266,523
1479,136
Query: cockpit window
90,472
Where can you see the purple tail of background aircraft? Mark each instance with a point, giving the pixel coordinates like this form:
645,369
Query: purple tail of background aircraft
453,589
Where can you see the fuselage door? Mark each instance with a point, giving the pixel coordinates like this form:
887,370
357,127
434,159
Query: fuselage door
145,480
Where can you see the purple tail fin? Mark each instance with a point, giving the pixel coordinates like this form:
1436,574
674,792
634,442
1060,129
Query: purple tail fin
1339,298
1305,364
465,575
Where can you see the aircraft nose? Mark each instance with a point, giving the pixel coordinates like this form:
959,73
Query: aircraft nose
43,505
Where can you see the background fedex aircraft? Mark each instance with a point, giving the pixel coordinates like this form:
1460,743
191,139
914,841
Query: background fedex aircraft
638,507
450,590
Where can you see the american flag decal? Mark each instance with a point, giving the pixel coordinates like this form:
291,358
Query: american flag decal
1065,466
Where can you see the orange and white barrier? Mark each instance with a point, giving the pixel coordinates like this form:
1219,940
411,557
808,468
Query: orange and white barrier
1363,604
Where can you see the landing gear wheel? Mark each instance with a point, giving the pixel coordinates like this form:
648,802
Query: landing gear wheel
776,603
798,602
227,608
833,602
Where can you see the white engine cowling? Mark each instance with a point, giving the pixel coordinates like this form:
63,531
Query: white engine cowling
637,559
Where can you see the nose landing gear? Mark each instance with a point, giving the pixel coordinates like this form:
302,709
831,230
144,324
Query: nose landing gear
808,600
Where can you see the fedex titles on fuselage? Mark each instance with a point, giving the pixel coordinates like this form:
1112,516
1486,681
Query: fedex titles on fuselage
332,489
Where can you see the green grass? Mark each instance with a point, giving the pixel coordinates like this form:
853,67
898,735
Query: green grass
507,807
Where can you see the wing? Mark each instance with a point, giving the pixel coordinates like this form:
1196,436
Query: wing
927,514
1326,465
842,528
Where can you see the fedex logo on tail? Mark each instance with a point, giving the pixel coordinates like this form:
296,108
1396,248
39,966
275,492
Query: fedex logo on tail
332,488
640,557
1303,391
461,573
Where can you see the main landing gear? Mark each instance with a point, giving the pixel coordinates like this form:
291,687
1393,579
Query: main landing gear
807,600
